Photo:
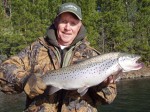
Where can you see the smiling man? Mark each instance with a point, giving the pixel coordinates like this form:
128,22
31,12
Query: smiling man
63,45
68,27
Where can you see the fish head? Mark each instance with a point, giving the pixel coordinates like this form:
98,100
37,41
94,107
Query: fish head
129,62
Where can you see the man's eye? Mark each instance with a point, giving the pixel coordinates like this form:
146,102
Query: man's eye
72,24
63,21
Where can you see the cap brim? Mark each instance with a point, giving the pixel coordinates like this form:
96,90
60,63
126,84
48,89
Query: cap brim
71,12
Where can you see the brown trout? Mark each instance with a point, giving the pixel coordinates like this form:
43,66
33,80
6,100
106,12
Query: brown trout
90,72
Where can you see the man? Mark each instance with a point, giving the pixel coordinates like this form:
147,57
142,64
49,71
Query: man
63,45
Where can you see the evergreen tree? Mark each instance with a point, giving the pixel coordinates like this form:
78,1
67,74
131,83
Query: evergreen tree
28,20
9,40
111,25
114,31
141,29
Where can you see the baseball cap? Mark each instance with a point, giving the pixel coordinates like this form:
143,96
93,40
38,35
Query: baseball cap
70,7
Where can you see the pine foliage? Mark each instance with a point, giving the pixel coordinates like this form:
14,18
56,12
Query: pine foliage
112,25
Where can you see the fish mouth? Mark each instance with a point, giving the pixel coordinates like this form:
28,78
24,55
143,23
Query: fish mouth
138,63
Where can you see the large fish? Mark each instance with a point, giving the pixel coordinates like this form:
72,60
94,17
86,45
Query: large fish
90,72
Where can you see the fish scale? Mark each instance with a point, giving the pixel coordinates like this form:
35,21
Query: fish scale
90,72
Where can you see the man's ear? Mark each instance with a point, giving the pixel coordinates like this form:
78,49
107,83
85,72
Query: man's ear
56,21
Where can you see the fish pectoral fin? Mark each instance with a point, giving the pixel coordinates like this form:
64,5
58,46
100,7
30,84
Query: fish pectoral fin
82,90
53,90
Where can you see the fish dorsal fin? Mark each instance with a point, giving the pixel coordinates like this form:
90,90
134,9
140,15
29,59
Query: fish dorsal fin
53,90
82,90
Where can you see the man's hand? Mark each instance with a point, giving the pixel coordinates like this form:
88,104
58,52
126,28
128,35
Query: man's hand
34,86
108,81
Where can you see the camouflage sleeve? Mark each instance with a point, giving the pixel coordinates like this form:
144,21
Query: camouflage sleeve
13,72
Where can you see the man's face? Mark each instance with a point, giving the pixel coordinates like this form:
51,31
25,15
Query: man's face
67,28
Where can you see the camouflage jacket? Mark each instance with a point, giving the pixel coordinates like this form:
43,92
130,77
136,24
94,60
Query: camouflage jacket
44,55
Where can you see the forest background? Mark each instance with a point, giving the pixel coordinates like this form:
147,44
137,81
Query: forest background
112,25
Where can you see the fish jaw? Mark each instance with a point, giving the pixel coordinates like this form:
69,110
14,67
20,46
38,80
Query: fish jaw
130,63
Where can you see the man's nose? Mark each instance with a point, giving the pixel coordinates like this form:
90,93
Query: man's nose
67,26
